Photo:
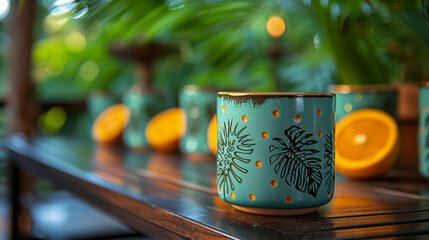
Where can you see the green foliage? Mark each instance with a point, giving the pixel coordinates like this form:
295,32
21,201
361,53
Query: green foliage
359,34
69,64
225,44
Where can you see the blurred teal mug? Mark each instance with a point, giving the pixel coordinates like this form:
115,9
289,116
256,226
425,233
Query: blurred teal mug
276,151
354,97
423,135
143,105
200,107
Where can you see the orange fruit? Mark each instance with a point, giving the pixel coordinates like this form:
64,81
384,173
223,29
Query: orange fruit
367,143
212,135
165,129
109,125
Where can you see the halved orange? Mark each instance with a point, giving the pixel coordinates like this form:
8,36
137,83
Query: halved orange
109,125
367,143
165,129
212,135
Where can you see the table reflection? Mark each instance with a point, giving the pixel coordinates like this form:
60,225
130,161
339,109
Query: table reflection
108,164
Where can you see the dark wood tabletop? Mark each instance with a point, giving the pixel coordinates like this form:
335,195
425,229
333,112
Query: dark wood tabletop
172,196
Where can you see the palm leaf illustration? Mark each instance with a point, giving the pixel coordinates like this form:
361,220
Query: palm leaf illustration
234,150
329,163
294,160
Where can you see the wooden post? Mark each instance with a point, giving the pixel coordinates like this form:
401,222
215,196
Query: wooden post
145,75
20,99
145,56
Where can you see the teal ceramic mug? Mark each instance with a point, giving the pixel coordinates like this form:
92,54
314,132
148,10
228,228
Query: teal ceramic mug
200,107
98,101
423,134
354,97
275,151
143,106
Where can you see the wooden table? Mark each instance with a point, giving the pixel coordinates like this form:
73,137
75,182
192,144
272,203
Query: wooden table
174,197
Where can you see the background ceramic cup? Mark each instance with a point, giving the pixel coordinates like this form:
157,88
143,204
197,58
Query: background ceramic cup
143,106
276,151
98,101
200,107
354,97
423,134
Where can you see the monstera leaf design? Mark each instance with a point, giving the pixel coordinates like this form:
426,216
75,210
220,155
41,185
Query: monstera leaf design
234,150
294,160
329,163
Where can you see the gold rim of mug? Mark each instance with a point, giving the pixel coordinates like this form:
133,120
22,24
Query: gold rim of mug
349,88
290,94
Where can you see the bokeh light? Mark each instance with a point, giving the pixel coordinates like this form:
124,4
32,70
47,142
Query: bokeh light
56,62
4,8
89,70
52,120
62,7
276,26
81,12
53,24
316,41
75,42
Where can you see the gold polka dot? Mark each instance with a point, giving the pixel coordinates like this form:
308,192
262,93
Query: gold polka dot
319,133
422,131
244,118
265,135
425,108
329,195
358,97
218,189
348,107
274,183
258,163
223,109
233,195
297,118
276,113
289,199
217,127
252,197
319,112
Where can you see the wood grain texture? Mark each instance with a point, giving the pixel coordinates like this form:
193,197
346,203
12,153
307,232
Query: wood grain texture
171,197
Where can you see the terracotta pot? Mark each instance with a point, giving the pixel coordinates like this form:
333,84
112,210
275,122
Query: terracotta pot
408,98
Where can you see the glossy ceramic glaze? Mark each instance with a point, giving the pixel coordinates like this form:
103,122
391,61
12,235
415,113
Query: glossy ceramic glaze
200,107
354,97
423,131
143,106
276,151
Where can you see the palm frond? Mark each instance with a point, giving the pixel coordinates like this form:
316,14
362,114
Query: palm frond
293,160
